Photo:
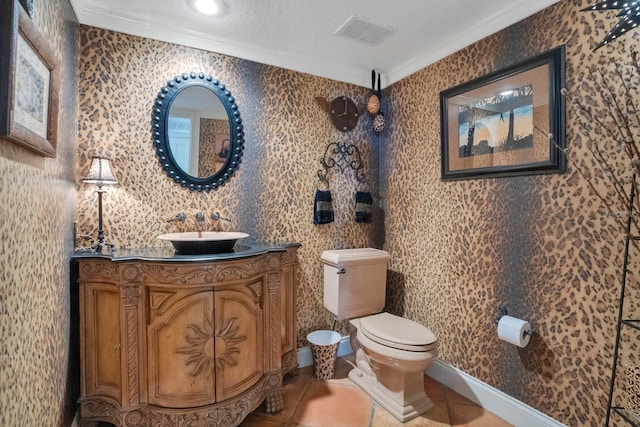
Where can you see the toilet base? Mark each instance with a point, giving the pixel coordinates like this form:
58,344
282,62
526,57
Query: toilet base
393,402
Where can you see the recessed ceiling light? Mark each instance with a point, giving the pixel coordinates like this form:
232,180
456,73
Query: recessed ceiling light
209,7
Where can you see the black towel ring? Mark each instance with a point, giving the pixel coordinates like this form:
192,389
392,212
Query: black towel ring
322,179
363,185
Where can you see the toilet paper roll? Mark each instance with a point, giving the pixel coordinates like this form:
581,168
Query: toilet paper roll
514,331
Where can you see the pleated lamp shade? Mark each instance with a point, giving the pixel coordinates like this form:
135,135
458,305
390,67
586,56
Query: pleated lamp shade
100,172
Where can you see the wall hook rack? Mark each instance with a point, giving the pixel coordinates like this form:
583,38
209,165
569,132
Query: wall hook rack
342,156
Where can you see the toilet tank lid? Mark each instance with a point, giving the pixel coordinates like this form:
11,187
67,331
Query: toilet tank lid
344,257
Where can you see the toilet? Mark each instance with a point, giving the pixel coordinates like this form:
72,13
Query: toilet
392,353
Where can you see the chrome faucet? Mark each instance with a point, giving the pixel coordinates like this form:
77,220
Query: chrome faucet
200,219
216,217
179,217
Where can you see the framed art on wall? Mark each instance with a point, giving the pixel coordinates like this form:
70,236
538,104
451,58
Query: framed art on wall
29,83
500,124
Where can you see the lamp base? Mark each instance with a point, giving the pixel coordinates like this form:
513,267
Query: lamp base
100,247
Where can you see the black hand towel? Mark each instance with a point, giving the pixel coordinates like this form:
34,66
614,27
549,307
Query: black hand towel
364,206
322,208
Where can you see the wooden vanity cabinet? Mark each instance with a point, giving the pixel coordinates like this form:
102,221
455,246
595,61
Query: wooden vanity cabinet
198,343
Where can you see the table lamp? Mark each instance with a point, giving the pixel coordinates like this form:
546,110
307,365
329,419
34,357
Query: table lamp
100,173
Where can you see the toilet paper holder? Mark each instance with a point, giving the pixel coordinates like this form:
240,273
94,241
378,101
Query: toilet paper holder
502,311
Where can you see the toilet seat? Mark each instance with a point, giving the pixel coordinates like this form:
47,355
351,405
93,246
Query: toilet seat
397,332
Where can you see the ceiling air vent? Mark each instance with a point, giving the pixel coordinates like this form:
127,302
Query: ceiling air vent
365,30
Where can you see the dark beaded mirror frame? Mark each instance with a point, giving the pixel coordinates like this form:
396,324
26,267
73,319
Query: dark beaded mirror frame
161,109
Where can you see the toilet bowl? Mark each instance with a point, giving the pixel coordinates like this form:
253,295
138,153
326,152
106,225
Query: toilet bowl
392,354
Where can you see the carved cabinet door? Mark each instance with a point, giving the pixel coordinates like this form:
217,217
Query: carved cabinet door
100,332
239,342
180,334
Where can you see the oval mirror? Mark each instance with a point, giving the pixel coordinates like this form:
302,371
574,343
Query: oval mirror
197,131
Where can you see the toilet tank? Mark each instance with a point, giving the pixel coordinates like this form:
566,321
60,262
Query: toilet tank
355,281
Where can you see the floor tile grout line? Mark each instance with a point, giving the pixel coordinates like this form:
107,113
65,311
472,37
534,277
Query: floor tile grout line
446,398
300,400
373,412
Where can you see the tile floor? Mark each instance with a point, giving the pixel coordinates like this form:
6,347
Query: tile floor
340,403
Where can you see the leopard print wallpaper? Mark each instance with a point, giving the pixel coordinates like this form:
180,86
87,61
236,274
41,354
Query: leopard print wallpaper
543,246
38,375
270,196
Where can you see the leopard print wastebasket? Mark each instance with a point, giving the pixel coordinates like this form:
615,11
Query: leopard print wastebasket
631,375
324,348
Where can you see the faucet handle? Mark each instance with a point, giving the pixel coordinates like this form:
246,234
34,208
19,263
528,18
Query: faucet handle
179,217
216,216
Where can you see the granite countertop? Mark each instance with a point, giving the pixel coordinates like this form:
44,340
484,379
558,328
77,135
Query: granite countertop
241,250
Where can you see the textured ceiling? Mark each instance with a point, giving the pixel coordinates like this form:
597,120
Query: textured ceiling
301,34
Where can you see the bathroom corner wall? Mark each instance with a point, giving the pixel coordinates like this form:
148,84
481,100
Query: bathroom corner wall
38,371
270,196
543,246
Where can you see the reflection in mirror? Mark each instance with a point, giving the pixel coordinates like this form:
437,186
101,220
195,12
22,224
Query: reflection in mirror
198,132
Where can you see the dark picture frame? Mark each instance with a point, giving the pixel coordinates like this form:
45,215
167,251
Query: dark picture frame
29,83
500,124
